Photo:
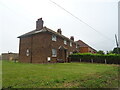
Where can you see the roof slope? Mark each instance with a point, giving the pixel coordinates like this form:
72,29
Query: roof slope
45,29
83,44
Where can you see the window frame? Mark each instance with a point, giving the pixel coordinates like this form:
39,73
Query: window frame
71,53
65,42
70,44
54,38
54,52
27,52
76,45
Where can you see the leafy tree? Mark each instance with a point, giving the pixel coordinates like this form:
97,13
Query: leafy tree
116,51
110,52
100,52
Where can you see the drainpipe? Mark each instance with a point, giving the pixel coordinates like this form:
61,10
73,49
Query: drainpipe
31,48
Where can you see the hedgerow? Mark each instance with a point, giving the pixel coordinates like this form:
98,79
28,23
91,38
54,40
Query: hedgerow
95,58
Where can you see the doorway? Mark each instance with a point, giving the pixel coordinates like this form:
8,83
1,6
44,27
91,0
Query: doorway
62,54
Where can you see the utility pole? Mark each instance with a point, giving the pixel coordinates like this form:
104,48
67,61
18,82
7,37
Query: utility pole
117,43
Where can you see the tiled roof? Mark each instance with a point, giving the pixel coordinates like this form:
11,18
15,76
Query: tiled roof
83,44
45,29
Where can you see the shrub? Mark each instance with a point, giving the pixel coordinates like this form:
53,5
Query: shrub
97,58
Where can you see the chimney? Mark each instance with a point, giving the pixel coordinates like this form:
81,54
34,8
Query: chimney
59,31
72,38
39,24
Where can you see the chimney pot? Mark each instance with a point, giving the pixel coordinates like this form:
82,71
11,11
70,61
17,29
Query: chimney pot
72,38
59,31
39,24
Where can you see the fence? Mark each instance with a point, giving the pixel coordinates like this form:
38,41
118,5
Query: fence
92,58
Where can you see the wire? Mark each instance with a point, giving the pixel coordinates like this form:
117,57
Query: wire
79,19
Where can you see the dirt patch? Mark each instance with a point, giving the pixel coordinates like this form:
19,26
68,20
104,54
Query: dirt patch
71,84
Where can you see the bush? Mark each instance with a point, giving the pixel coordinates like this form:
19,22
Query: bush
96,58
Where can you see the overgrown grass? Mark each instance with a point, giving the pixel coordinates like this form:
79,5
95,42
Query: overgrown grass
59,75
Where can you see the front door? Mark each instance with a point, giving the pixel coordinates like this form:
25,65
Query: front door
65,55
62,55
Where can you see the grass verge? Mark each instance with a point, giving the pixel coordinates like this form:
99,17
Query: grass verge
59,75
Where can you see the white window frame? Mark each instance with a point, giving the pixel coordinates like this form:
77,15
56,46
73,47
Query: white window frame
54,53
54,38
76,45
65,42
27,52
71,44
71,53
48,58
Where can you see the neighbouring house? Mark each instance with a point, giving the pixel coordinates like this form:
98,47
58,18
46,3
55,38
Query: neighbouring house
85,48
9,56
44,45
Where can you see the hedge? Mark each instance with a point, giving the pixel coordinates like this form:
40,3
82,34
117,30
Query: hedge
95,58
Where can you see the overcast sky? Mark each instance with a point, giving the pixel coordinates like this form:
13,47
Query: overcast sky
19,16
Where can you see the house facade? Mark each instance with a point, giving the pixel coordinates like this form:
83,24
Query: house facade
44,45
85,48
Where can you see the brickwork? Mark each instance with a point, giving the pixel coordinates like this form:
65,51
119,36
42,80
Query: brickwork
40,48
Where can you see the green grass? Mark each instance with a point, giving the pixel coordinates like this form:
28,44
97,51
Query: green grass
0,74
59,75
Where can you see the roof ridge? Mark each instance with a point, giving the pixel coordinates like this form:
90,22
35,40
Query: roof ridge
47,29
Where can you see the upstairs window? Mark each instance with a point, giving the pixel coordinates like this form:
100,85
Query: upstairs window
54,53
71,44
76,45
54,38
65,42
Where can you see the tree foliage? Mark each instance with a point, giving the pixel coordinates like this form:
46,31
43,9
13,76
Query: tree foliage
116,50
100,52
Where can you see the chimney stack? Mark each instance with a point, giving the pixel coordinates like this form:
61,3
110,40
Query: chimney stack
59,31
39,24
72,38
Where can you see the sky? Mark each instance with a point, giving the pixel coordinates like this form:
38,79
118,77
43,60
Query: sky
19,16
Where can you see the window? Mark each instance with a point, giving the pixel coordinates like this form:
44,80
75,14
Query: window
67,54
71,44
65,42
48,58
54,53
90,51
27,52
71,53
54,38
76,45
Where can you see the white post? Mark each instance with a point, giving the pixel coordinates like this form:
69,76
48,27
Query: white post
92,60
105,61
80,59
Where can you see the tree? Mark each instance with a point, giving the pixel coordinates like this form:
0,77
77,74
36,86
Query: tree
110,52
116,50
100,52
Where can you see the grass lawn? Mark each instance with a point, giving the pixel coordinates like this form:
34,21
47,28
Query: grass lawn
0,74
59,75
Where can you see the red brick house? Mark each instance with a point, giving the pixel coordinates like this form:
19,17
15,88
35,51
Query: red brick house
44,45
85,48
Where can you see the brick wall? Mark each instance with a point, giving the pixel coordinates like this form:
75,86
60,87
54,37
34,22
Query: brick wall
40,48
